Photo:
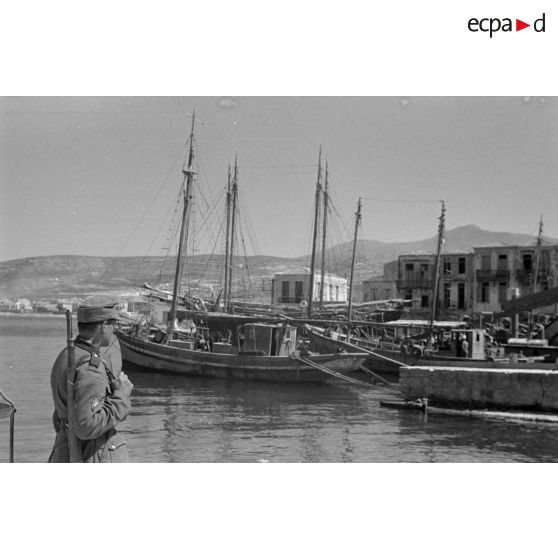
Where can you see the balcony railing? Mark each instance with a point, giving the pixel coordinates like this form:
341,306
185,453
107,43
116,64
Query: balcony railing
418,283
492,274
526,275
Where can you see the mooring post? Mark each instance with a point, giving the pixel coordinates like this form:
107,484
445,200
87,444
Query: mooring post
12,434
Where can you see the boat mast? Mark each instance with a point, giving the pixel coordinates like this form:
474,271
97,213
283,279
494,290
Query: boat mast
535,280
227,241
188,172
433,308
315,234
324,225
349,316
232,233
535,277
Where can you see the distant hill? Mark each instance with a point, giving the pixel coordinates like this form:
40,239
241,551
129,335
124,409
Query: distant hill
69,276
460,239
65,276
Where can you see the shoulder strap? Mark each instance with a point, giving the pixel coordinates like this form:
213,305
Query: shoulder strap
72,373
108,368
94,358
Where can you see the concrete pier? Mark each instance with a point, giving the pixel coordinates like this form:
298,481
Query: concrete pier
482,387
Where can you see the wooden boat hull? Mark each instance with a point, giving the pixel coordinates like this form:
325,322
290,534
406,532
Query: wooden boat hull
388,365
154,357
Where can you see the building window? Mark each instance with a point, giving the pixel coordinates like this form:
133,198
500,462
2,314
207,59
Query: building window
485,262
460,295
299,291
484,290
285,291
409,294
461,265
502,289
409,267
447,295
424,301
528,261
447,266
374,294
387,293
502,261
336,292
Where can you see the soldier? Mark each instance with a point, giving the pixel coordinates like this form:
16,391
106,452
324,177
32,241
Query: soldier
101,400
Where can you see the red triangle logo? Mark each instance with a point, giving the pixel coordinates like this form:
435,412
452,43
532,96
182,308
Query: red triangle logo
519,25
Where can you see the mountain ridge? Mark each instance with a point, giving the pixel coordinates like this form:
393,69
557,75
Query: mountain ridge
75,275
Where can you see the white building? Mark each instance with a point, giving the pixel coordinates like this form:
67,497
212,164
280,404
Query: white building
293,288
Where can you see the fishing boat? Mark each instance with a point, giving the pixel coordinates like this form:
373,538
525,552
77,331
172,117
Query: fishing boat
253,351
386,356
258,352
411,342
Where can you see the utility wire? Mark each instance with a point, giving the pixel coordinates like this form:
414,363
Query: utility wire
401,201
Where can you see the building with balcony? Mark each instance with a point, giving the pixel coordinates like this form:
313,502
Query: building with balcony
415,283
289,288
456,285
469,282
503,270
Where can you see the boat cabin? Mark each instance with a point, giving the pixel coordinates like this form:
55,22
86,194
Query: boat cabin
475,342
256,339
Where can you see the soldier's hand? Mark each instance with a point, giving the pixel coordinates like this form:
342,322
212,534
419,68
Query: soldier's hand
123,383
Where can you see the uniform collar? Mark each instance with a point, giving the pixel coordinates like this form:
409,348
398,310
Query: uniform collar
86,345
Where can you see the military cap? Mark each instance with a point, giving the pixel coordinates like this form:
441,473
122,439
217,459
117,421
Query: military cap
97,309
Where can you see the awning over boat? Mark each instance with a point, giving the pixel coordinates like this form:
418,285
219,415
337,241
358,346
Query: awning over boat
222,321
424,324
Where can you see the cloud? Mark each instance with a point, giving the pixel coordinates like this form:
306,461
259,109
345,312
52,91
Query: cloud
227,103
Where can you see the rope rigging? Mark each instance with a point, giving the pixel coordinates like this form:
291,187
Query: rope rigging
400,201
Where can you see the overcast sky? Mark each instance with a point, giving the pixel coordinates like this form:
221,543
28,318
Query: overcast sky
99,175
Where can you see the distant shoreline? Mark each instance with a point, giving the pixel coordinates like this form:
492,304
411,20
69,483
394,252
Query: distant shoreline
31,315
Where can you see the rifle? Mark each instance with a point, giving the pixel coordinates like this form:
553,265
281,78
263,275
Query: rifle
73,443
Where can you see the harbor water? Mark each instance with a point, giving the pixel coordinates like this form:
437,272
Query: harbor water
199,420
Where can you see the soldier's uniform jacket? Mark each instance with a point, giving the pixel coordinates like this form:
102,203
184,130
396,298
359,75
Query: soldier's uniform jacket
98,407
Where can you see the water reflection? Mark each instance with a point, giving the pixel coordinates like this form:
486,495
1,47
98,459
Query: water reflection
466,439
206,419
193,419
